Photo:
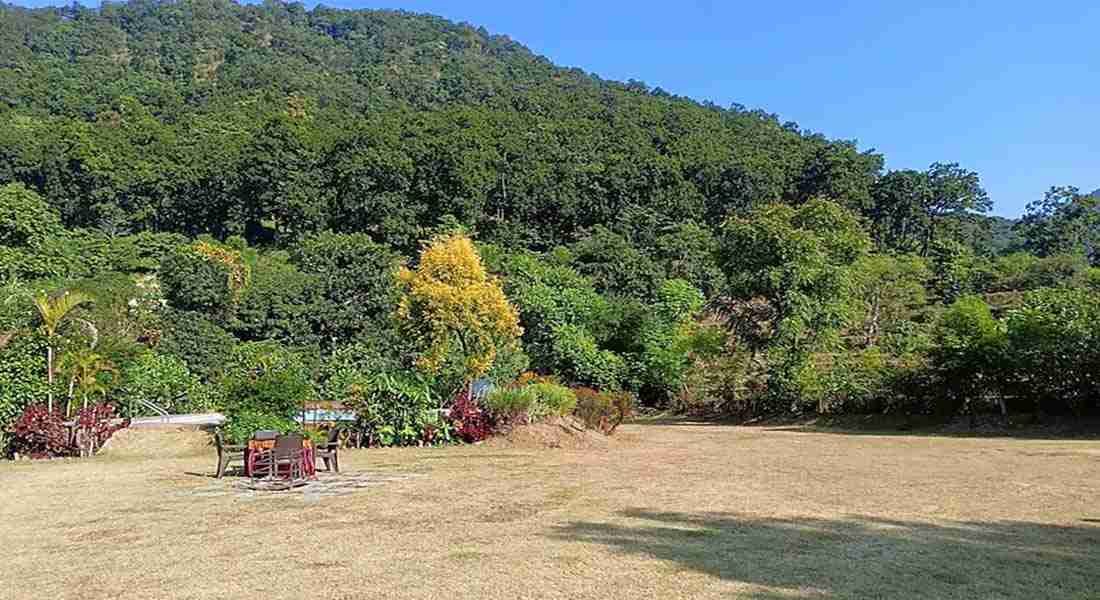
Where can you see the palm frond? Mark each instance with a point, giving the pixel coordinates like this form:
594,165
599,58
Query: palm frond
53,309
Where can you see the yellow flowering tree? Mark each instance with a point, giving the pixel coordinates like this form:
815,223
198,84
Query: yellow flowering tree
450,305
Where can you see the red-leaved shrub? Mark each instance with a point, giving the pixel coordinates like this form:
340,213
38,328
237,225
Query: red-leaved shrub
471,423
603,411
94,426
40,433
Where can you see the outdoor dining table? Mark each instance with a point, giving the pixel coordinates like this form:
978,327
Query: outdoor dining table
256,446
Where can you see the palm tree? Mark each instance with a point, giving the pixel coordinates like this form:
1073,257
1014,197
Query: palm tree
84,368
53,309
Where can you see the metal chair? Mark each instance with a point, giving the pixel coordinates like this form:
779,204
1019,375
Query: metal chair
227,453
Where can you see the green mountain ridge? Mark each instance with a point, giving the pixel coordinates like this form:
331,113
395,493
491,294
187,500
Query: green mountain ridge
270,121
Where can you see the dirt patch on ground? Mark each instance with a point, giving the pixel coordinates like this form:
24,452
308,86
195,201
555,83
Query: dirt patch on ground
158,442
563,432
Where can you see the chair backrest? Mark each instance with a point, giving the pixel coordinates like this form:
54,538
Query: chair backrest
333,436
265,435
286,444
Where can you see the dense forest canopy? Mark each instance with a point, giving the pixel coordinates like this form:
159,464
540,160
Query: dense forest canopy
270,121
217,176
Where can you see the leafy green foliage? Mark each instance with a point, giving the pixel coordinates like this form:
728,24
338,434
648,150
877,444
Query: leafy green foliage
551,400
191,281
265,378
277,304
615,266
568,326
166,382
240,426
22,375
1065,221
969,346
510,405
196,340
1053,354
397,409
529,403
666,340
353,281
801,262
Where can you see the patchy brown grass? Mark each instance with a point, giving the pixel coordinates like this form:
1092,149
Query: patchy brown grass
684,511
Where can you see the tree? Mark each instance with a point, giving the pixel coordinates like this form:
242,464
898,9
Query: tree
665,339
898,210
53,310
568,327
450,304
1064,221
204,277
799,261
615,265
29,234
953,191
353,279
86,368
889,290
1053,356
969,348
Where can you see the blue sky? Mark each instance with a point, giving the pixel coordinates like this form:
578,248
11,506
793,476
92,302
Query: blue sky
1009,89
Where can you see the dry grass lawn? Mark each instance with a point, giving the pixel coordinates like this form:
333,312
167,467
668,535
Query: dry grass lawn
684,511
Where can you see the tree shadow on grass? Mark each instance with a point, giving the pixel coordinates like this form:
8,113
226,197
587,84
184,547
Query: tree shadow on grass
1052,429
862,557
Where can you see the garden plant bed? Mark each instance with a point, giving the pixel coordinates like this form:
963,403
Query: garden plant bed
689,510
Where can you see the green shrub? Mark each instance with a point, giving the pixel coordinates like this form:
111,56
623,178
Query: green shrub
22,377
196,340
849,383
551,400
667,339
240,426
167,382
510,405
277,304
141,252
265,378
191,281
1053,354
529,403
346,267
397,409
579,359
969,349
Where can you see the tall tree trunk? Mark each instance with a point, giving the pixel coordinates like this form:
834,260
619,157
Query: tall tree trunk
69,400
49,378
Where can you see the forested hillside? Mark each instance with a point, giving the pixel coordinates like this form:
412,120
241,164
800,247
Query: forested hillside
230,181
272,121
